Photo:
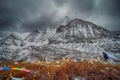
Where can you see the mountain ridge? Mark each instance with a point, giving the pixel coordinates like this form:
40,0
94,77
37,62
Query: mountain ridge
77,36
80,30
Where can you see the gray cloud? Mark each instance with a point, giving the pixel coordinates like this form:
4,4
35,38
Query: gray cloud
27,15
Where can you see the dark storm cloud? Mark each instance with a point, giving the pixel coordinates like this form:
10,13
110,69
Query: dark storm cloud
42,23
27,15
112,7
105,13
14,12
83,5
60,2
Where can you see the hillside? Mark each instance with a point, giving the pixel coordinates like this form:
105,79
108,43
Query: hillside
62,70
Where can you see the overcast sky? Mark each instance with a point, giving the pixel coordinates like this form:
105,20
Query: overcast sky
28,15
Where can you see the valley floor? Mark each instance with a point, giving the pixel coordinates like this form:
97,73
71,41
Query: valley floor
61,70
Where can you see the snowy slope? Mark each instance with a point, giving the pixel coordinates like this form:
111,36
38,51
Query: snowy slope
117,33
45,35
40,36
51,53
9,46
22,35
32,36
12,40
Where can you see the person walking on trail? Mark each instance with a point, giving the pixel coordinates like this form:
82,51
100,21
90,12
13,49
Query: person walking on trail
105,56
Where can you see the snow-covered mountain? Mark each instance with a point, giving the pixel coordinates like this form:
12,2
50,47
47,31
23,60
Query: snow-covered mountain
23,35
9,46
65,21
117,33
38,36
72,38
77,30
32,37
12,40
51,53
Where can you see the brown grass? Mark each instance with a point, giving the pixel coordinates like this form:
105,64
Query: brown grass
63,71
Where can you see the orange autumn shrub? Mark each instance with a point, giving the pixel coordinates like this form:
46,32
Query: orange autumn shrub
62,71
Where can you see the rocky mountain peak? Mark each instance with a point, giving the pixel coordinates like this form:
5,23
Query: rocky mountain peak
12,40
36,31
65,21
32,36
80,30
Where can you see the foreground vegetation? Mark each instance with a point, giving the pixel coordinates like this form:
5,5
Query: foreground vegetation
62,70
